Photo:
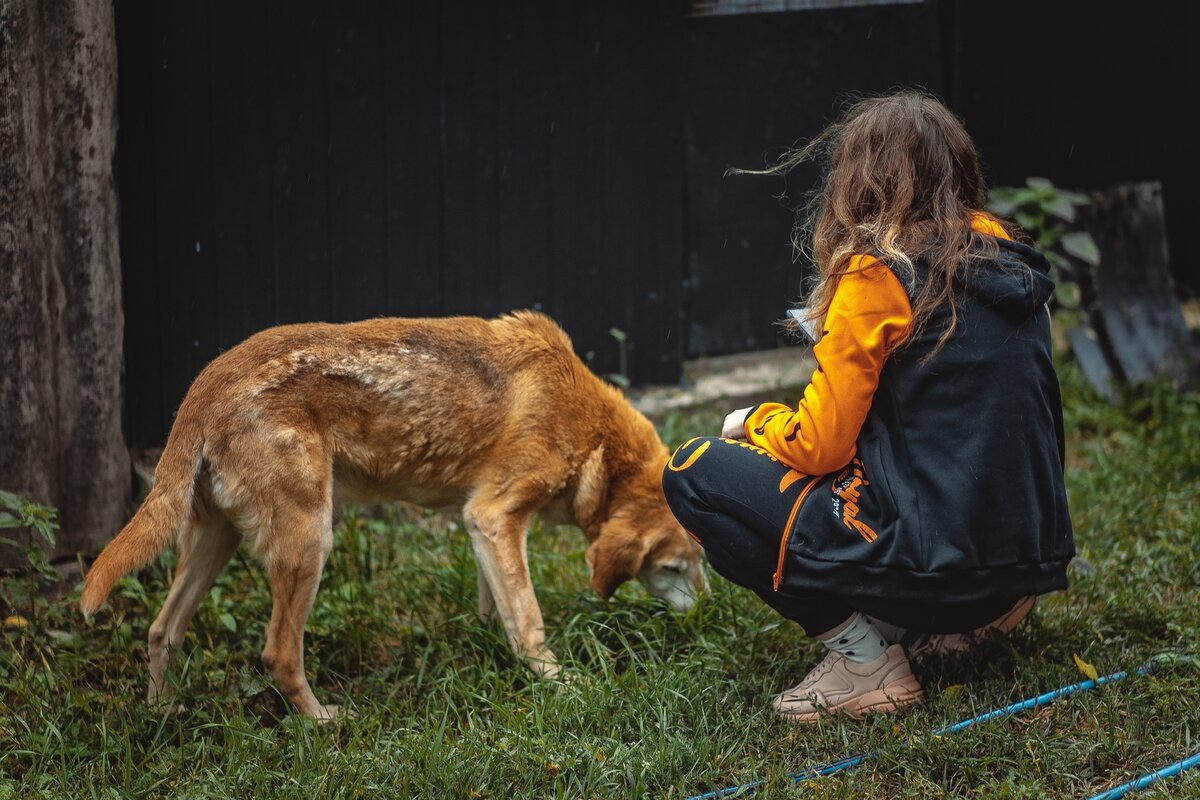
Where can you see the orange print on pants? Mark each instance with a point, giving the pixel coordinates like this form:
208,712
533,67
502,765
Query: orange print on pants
847,489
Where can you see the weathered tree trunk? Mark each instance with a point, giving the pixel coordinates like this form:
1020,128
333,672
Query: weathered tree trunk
60,281
1134,330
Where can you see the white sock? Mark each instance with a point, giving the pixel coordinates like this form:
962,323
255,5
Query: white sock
891,633
858,640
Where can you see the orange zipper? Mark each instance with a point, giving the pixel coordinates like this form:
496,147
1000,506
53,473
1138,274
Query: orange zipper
787,532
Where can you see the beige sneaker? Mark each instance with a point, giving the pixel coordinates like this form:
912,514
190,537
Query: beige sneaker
953,644
840,686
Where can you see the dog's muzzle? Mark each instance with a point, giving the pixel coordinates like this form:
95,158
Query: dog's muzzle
677,588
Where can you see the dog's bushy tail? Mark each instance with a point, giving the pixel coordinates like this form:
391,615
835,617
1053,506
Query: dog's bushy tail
156,524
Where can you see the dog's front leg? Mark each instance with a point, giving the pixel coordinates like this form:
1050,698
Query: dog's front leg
498,538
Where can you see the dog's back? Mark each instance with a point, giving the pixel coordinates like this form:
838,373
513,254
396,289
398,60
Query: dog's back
396,408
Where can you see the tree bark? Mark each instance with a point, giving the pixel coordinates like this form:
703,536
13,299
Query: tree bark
1131,296
61,321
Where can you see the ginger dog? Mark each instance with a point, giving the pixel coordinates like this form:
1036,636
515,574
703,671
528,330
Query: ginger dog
498,417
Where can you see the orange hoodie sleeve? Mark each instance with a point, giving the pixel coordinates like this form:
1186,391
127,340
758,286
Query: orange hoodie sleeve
868,317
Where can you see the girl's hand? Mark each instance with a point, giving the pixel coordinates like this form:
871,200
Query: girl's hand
735,424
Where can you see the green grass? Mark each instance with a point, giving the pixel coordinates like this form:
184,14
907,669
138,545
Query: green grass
661,705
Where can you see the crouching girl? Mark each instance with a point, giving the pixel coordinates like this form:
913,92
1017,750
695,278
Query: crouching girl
917,487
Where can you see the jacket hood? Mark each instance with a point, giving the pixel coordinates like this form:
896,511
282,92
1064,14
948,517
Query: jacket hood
1015,283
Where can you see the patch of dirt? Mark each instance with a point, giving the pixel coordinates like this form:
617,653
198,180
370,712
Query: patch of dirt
732,380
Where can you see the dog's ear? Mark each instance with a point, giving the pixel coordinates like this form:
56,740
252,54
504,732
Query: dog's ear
592,487
615,557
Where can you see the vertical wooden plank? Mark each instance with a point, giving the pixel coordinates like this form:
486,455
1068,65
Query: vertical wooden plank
470,268
144,418
183,190
357,205
297,55
596,275
618,105
642,187
241,172
577,164
566,165
668,245
412,101
524,119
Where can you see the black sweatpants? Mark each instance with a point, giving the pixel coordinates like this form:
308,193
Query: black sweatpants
737,501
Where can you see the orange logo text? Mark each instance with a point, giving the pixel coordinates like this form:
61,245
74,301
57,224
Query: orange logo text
847,489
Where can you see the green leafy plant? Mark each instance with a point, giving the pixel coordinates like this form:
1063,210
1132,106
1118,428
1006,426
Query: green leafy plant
1048,215
19,514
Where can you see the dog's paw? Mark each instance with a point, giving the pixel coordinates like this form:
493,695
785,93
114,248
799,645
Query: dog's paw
573,682
333,713
570,679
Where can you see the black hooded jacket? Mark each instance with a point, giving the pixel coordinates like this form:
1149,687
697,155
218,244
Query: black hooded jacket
957,482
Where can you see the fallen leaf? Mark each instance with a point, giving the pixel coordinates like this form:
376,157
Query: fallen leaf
953,690
1086,668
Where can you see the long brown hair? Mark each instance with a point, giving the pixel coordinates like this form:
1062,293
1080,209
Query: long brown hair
900,181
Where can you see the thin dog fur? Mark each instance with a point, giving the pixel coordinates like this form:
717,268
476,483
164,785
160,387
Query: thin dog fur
497,417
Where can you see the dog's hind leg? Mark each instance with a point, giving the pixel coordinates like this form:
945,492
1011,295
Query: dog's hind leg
300,544
487,603
204,549
498,539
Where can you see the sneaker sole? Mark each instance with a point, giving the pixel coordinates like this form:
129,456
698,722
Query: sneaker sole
1009,622
964,643
891,698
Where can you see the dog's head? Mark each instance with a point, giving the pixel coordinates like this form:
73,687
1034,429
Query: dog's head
640,538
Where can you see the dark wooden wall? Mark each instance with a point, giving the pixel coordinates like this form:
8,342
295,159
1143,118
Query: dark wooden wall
293,161
296,161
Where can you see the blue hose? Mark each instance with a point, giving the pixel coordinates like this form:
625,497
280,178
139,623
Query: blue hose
847,762
1138,784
